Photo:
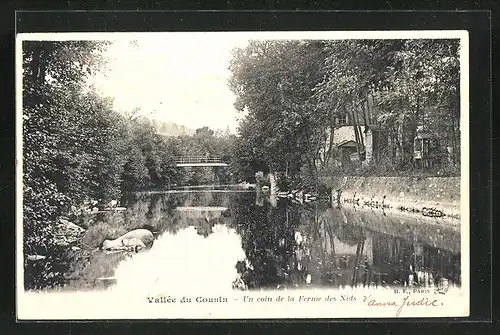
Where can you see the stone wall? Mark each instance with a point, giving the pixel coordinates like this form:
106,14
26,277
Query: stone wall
412,194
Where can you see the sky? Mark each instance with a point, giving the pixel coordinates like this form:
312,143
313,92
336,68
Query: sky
182,77
174,77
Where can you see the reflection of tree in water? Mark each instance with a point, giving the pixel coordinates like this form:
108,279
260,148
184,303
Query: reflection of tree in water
291,245
404,262
158,211
268,241
205,226
347,254
349,234
336,250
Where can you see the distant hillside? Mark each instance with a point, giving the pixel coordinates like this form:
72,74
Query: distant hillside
167,128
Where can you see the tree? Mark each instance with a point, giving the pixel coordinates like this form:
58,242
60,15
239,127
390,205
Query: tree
273,82
56,154
135,174
394,84
292,92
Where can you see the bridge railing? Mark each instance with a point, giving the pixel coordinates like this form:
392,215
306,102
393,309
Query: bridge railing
197,159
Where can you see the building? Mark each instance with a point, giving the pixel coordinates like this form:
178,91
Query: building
344,142
427,152
348,151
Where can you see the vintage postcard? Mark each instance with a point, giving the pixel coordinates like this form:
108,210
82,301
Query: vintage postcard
242,175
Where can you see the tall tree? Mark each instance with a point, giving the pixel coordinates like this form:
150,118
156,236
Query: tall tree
54,170
273,82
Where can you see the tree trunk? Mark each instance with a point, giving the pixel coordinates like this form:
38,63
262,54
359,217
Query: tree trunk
453,141
361,140
453,119
356,133
399,139
328,147
313,172
411,133
370,103
359,136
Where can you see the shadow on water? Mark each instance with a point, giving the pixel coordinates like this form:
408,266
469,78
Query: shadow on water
288,245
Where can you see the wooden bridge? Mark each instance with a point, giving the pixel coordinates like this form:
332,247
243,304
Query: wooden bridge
189,161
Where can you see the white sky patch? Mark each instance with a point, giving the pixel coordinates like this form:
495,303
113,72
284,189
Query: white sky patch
178,78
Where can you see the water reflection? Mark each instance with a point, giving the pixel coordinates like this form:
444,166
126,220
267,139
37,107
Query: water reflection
284,245
183,263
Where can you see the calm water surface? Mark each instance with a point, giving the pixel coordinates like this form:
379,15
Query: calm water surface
226,239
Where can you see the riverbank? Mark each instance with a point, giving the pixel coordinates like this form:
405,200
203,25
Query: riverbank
430,196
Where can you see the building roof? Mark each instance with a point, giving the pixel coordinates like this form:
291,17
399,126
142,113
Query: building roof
345,133
347,143
424,135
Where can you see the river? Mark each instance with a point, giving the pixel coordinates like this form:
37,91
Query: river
231,239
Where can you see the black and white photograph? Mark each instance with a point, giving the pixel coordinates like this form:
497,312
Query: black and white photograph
242,175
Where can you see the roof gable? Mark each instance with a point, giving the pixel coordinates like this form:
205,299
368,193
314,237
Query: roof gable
347,143
345,133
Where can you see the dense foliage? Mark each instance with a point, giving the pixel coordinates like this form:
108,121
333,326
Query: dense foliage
76,147
293,93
